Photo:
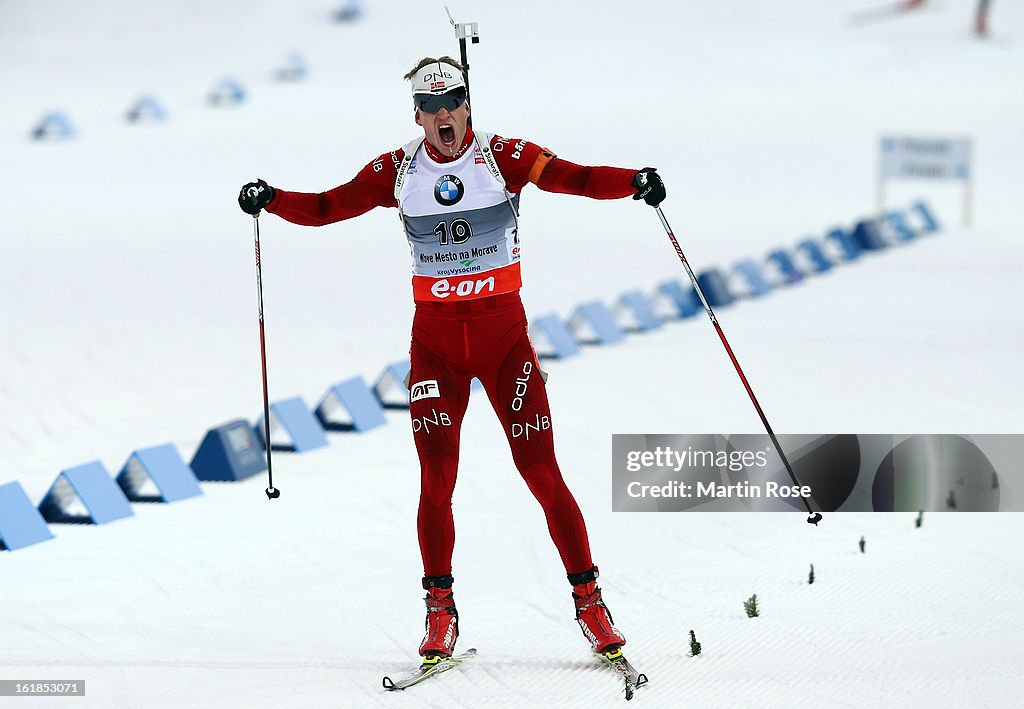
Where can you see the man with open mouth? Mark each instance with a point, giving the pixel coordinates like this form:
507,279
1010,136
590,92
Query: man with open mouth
457,191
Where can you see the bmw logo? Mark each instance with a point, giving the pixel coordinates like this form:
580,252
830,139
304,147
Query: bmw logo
448,190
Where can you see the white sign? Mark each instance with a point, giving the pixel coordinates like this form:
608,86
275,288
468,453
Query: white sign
926,158
922,158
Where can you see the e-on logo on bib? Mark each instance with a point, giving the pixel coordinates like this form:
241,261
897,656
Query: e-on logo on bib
448,190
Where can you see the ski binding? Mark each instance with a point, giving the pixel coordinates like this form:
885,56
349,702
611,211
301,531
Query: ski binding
618,662
431,666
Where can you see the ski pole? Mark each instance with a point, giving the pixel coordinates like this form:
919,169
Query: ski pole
814,517
272,492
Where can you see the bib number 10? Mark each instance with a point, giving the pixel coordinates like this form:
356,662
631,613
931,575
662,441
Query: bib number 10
457,232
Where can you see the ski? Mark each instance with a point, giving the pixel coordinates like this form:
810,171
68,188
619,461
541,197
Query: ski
891,10
618,662
429,668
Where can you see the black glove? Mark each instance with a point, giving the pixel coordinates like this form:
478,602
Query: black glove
649,187
254,196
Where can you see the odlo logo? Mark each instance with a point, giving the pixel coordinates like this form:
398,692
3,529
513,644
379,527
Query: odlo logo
522,384
448,190
424,390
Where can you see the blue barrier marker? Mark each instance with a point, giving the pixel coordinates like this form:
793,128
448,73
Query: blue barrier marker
896,224
715,288
392,386
54,125
21,525
229,452
294,69
817,259
845,243
868,236
641,310
227,93
157,474
147,108
85,493
683,298
351,11
598,319
355,398
556,336
931,224
298,423
788,271
751,274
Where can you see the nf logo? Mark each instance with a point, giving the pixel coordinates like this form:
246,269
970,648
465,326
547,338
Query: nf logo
425,390
448,190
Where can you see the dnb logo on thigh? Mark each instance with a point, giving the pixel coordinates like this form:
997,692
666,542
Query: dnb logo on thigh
522,430
432,421
448,190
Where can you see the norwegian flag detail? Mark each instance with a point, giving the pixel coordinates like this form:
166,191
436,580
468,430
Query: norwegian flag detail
436,85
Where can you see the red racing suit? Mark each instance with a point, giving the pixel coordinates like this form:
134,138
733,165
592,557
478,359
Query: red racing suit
461,219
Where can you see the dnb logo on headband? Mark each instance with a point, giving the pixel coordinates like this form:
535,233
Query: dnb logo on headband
448,190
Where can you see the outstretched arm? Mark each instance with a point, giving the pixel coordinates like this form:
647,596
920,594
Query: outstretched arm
595,182
372,187
522,161
343,202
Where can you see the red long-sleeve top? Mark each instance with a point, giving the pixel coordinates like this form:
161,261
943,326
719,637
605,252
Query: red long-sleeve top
520,162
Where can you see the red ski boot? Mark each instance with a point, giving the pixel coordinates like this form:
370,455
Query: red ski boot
592,614
442,623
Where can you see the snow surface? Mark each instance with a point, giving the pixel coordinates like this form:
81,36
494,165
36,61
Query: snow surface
130,320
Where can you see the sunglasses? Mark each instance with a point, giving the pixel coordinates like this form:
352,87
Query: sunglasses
430,103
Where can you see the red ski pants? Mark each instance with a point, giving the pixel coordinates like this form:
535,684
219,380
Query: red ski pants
484,338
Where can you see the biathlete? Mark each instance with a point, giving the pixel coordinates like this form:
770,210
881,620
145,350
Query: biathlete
457,192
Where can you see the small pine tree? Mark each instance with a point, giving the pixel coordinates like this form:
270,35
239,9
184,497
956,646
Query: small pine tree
995,481
694,645
750,606
951,501
810,578
861,545
920,518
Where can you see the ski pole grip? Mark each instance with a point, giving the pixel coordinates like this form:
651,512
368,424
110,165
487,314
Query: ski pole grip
254,193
